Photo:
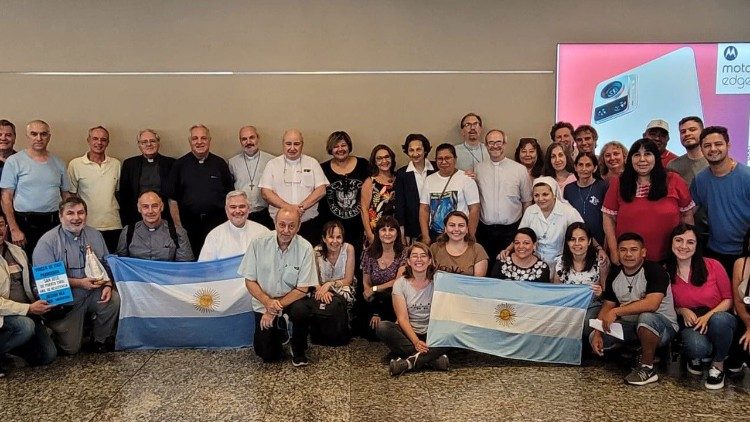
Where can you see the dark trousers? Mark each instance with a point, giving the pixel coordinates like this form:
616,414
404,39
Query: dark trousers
34,225
310,230
268,343
727,261
738,355
263,217
198,226
111,238
401,346
495,237
380,305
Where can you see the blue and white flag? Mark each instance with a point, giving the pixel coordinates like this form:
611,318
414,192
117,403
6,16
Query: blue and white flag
513,319
182,304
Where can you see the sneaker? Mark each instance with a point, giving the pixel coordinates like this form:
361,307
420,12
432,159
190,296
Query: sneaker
441,363
386,360
398,366
695,367
299,360
734,368
642,376
282,324
715,380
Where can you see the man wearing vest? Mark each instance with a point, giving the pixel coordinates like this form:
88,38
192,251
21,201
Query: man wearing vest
154,238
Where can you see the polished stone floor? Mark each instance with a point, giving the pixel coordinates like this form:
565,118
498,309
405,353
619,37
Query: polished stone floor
348,384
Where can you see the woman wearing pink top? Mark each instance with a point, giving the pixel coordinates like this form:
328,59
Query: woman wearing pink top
702,296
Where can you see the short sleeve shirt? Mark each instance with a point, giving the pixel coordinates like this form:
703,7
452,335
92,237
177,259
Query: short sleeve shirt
446,194
418,303
293,181
247,172
278,272
96,184
462,264
37,185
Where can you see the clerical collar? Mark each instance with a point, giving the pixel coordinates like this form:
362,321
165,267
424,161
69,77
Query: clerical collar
252,157
293,162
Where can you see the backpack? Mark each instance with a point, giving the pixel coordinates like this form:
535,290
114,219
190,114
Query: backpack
172,233
329,325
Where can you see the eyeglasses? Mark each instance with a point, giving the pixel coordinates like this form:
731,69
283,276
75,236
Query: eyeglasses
495,143
472,124
148,142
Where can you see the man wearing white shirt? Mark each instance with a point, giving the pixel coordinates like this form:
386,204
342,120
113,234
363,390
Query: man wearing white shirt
295,180
447,190
505,193
232,237
472,151
247,169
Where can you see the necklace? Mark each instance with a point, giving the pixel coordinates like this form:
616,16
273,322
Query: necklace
630,280
474,157
252,177
584,198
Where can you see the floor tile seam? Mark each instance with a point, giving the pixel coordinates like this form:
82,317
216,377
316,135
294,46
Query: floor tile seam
122,386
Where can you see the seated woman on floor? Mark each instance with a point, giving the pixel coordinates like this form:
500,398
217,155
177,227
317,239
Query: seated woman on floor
412,299
335,294
702,297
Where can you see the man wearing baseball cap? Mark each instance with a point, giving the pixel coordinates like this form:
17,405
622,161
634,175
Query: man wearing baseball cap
658,131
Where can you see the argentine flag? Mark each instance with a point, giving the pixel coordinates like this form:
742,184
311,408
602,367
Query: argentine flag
182,304
513,319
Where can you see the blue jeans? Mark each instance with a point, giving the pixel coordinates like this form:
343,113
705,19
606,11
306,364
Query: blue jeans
28,339
656,323
715,343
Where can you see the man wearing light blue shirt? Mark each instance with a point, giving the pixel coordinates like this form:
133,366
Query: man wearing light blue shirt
279,269
33,183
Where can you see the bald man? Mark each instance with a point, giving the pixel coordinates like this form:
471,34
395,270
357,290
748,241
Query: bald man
297,181
154,238
33,183
279,269
247,169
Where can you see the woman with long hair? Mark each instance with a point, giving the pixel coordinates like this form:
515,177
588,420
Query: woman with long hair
740,352
382,264
612,158
703,298
456,251
581,264
530,154
558,165
412,299
378,198
646,199
521,264
587,193
345,173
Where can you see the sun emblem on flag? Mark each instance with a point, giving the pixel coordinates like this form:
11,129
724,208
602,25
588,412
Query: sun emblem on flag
206,300
505,314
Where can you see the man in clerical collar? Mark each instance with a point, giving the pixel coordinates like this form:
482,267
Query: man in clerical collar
7,141
295,180
154,238
279,269
94,298
232,237
472,151
247,169
148,171
197,185
639,296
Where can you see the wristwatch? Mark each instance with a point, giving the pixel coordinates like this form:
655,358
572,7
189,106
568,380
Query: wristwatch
374,288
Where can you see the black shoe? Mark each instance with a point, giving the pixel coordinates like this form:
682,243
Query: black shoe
695,366
715,380
299,360
99,347
386,360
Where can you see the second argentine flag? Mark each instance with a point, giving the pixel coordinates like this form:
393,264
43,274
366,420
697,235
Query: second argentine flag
513,319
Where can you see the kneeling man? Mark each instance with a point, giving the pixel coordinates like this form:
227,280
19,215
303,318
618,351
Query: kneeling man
232,237
639,296
279,269
92,298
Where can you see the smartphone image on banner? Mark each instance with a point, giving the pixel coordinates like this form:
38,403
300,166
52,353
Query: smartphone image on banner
664,88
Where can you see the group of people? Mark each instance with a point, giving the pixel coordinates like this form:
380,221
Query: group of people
631,223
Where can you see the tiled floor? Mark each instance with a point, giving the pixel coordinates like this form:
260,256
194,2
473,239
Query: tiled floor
348,384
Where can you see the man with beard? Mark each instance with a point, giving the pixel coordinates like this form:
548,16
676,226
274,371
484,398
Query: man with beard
472,151
691,163
247,168
723,189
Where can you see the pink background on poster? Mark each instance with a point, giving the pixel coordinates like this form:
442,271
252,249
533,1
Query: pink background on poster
581,66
